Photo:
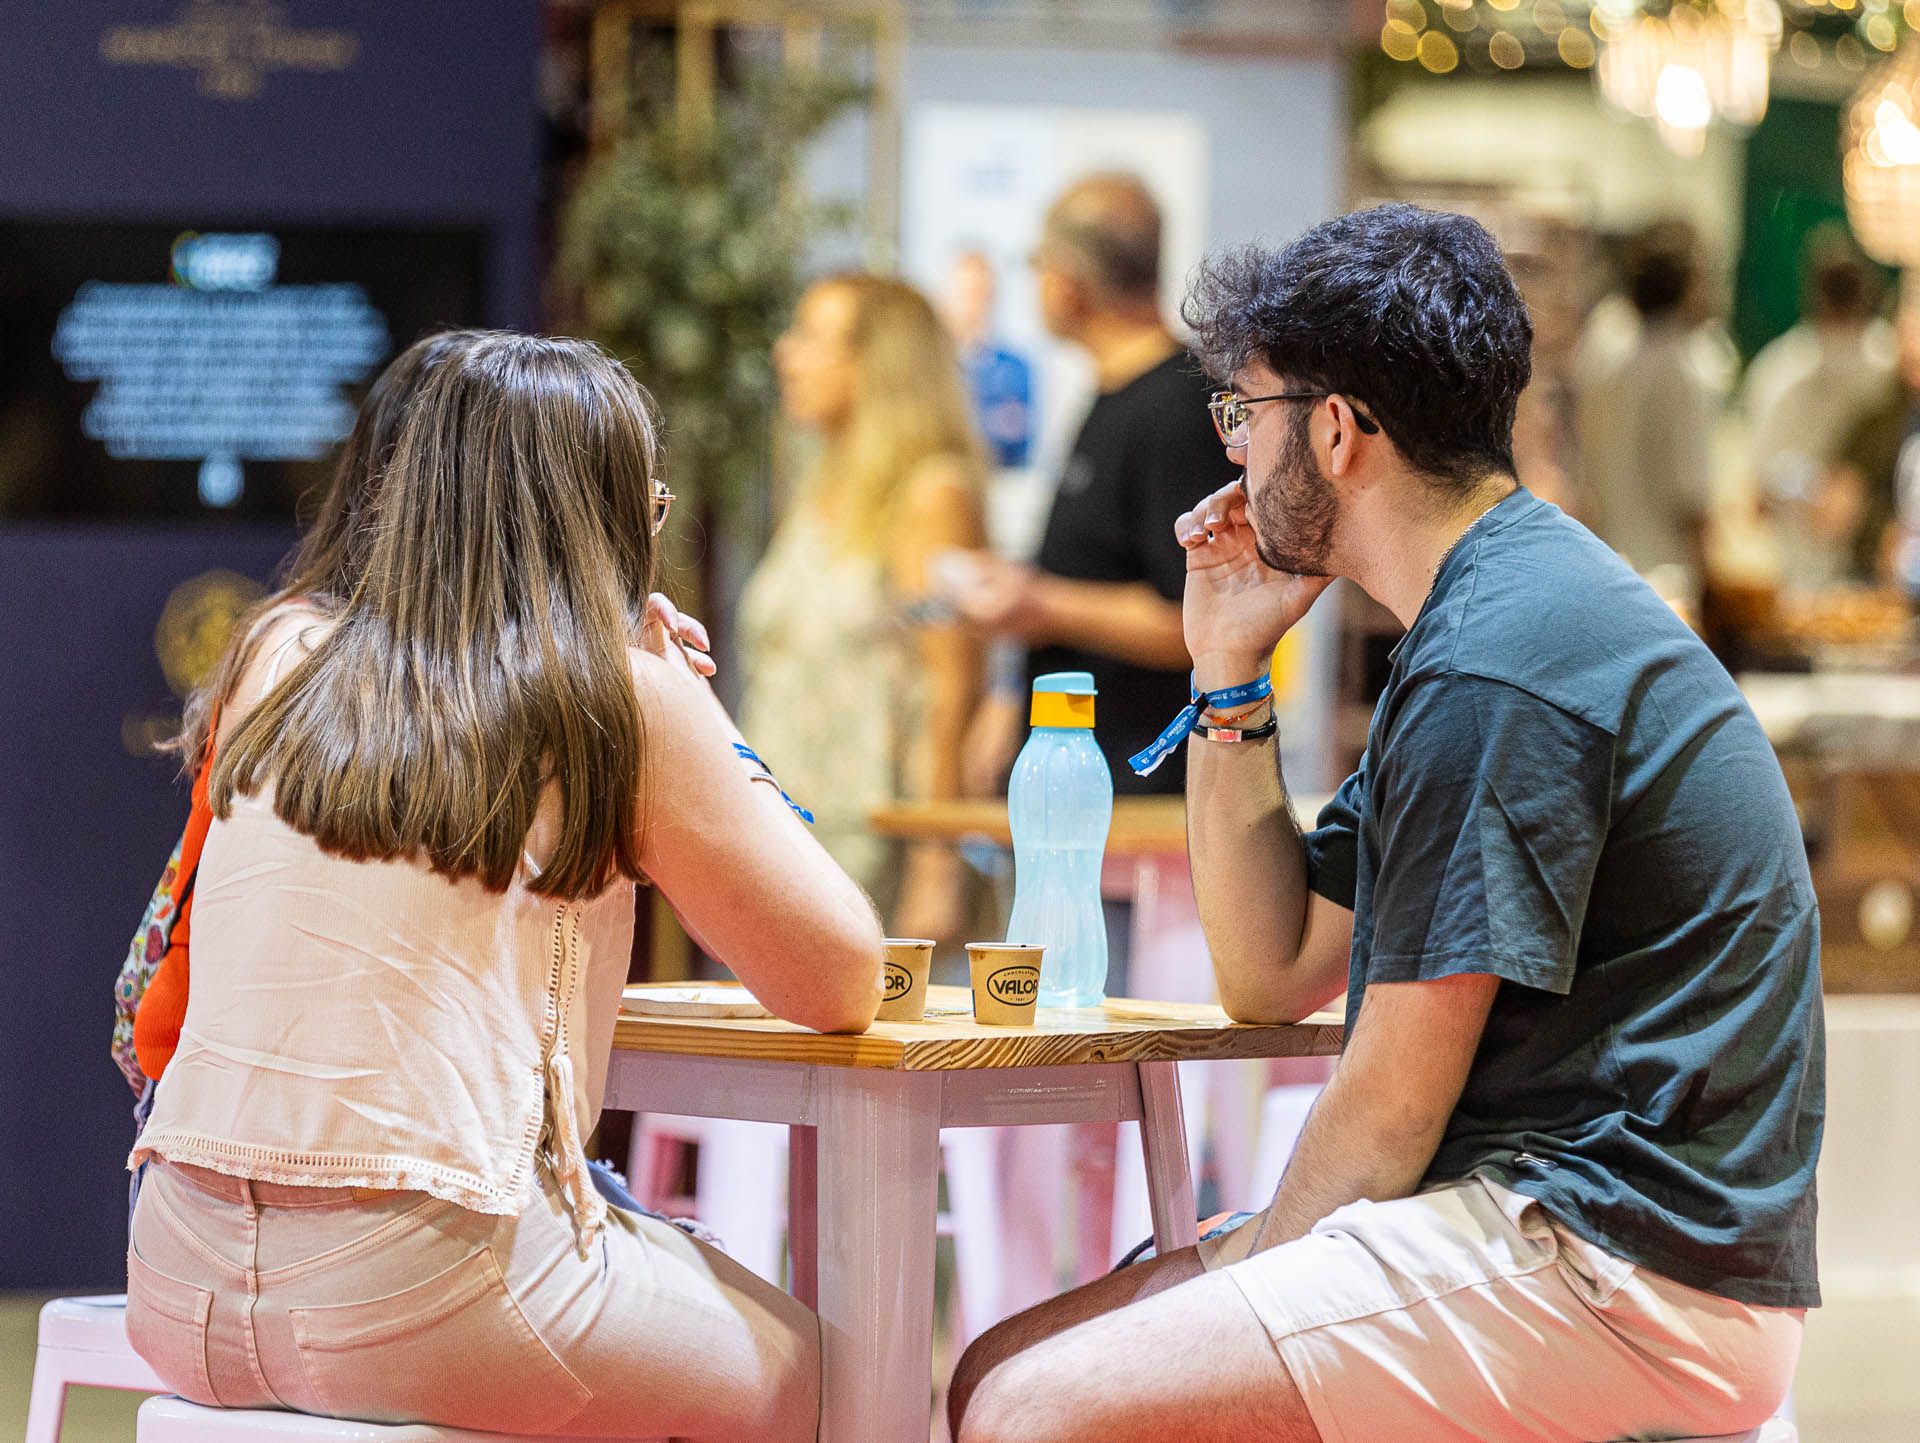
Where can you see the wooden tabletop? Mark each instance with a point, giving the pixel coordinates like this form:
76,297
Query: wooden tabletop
1124,1030
1142,826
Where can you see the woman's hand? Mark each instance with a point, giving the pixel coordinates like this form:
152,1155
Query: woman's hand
665,625
1236,607
999,597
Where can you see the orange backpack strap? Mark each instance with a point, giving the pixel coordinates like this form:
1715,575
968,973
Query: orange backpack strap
163,1010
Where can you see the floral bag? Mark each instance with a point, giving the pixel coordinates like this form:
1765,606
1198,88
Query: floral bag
153,979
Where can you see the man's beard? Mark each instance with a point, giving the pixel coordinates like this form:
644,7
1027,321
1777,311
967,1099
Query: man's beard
1294,510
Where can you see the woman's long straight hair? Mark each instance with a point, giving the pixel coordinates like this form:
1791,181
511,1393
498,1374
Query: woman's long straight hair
483,589
332,549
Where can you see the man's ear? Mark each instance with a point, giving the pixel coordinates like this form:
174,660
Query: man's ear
1343,433
1076,296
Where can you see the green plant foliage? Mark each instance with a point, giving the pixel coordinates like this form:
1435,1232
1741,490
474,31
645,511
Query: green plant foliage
686,251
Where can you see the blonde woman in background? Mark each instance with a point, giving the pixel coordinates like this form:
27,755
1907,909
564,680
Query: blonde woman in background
859,686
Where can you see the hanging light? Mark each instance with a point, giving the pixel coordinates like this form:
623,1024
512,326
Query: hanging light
1880,162
1701,61
1683,108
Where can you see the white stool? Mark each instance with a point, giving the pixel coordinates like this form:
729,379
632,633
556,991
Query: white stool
84,1341
174,1420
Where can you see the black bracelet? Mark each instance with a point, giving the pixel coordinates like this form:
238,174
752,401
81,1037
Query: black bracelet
1239,734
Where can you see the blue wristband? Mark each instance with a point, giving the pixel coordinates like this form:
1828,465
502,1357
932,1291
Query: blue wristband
752,758
1181,727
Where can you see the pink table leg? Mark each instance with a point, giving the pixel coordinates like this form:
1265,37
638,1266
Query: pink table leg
1163,1137
1096,1153
803,1212
878,1141
1034,1169
970,1158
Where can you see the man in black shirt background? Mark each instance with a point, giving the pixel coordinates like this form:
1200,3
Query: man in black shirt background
1104,593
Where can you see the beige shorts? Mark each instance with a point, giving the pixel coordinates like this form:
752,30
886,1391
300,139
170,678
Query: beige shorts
396,1307
1467,1313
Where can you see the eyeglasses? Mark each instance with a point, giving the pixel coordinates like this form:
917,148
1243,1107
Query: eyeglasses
1231,422
662,503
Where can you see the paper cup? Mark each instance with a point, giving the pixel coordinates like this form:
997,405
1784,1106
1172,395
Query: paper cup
904,978
1006,982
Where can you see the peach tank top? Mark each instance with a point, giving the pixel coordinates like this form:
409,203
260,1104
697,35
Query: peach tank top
376,1024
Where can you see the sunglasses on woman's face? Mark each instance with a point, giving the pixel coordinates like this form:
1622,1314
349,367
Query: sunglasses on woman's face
662,504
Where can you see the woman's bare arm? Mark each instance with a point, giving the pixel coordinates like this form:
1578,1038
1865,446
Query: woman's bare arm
741,868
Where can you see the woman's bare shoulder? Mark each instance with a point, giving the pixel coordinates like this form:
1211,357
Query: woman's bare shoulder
277,640
666,688
943,478
942,506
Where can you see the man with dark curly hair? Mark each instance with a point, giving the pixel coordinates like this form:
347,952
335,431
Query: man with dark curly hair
1561,1186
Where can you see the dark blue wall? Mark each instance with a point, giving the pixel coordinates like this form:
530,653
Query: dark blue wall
85,827
433,122
434,119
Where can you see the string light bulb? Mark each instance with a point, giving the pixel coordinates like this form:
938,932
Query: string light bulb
1880,159
1698,63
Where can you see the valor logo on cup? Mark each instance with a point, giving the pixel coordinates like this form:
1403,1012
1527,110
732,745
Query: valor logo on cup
1016,986
903,979
1006,981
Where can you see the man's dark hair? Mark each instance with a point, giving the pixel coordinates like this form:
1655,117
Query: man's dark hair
1841,283
1411,314
1661,267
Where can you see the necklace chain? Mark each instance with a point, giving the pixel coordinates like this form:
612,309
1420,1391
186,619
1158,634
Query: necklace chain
1455,545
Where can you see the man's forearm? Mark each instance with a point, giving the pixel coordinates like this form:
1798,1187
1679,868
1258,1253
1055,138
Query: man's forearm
1348,1150
1126,620
1374,1131
1249,874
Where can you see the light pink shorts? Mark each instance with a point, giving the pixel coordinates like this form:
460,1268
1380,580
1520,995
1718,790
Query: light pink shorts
396,1307
1467,1313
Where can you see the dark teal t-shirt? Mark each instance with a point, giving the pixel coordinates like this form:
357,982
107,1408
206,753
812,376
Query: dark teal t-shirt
1564,789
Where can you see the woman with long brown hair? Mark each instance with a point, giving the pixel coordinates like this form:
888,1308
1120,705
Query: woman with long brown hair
435,786
840,607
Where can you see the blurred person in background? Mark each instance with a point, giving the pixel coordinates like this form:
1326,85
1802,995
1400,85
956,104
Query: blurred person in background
1103,594
1000,380
1645,408
1872,492
1807,390
860,688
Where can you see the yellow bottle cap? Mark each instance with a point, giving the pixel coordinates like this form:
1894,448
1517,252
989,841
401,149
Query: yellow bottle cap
1062,699
1057,709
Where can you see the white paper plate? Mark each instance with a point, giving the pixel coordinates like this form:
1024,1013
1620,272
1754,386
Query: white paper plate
651,1000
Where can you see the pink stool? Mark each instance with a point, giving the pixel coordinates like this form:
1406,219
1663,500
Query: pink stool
174,1420
82,1341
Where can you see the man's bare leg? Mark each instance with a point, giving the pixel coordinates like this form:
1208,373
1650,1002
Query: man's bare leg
1158,1350
1056,1315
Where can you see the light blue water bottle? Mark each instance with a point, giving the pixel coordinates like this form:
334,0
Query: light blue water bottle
1060,804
